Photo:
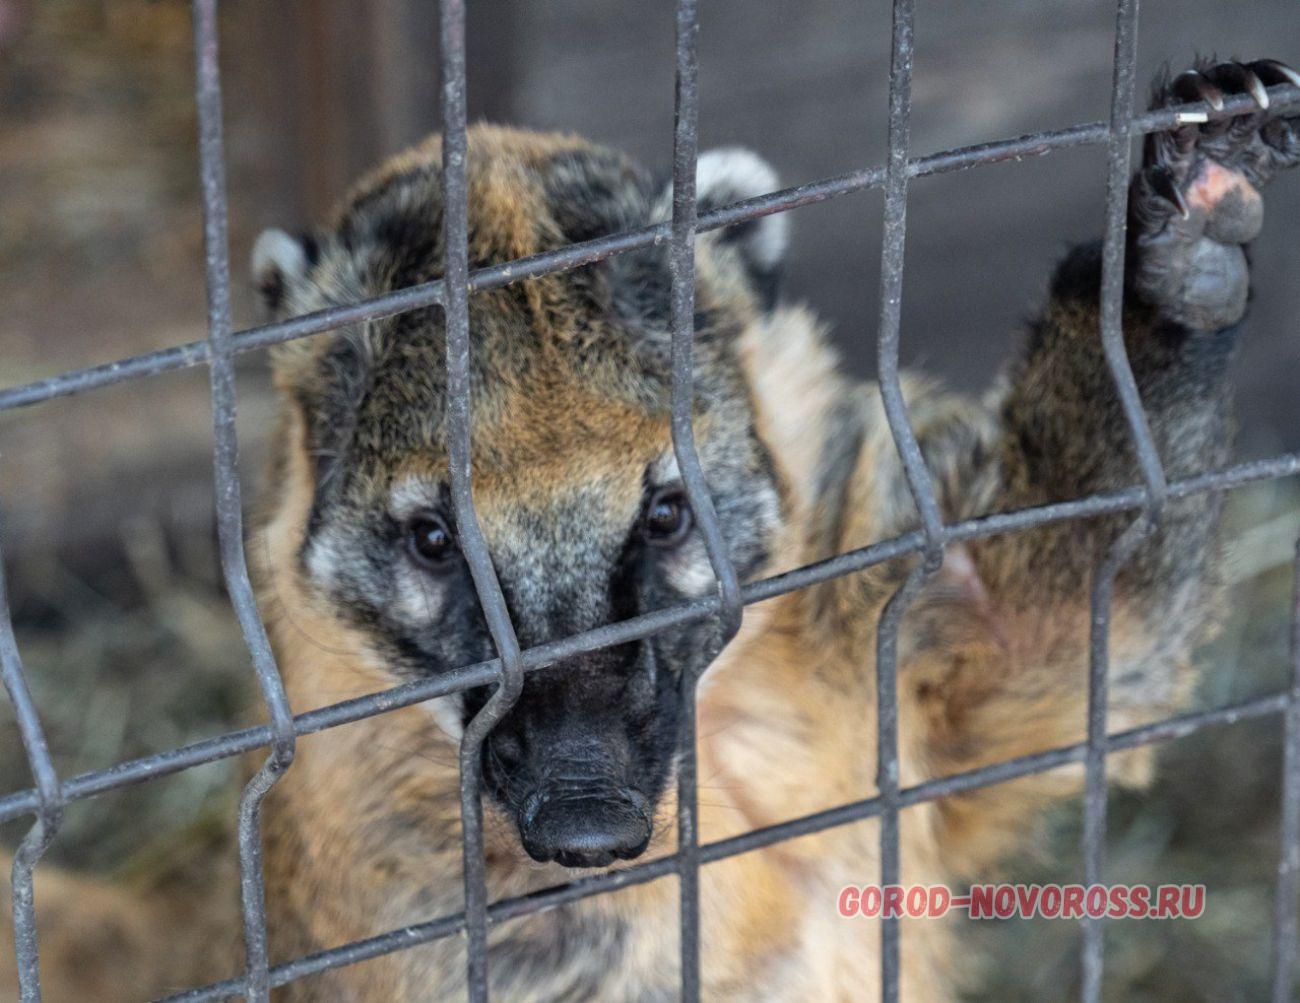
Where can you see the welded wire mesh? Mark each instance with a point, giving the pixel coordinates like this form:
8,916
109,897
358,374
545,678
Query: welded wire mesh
50,794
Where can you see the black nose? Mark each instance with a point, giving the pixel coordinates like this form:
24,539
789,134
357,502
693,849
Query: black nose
585,828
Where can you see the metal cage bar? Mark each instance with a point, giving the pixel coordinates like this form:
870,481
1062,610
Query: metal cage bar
893,243
136,771
931,790
229,510
509,662
681,260
427,294
48,796
1119,166
49,804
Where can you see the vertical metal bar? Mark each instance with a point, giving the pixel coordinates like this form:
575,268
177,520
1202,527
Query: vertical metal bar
1111,310
887,762
1094,799
1119,167
891,276
682,321
228,508
49,813
469,533
918,478
1288,864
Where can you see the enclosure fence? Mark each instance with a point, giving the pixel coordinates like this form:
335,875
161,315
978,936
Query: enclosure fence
46,799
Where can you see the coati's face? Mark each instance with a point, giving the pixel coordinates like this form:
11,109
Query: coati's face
574,480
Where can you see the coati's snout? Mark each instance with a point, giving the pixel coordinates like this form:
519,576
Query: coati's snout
583,757
580,828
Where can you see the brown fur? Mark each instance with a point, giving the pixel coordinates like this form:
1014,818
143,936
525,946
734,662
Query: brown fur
786,714
362,834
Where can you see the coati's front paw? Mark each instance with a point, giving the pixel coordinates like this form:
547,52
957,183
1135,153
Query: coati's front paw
1196,201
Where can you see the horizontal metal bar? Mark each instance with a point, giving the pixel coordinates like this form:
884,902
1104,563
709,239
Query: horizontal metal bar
996,773
637,874
575,255
234,743
442,927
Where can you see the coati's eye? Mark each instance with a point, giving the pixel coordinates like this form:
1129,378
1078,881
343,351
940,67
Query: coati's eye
668,518
429,542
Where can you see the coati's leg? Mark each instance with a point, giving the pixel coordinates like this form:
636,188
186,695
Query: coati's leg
1018,687
1193,206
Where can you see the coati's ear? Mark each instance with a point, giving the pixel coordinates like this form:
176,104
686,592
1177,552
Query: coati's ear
729,175
279,262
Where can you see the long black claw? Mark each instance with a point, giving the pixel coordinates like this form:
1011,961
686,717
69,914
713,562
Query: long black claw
1192,85
1273,72
1164,185
1236,78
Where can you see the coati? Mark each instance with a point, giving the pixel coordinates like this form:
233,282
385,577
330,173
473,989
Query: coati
582,507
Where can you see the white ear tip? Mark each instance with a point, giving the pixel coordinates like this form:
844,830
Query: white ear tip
734,173
774,236
274,250
742,171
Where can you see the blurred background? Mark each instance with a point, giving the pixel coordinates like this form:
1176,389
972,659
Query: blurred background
106,497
